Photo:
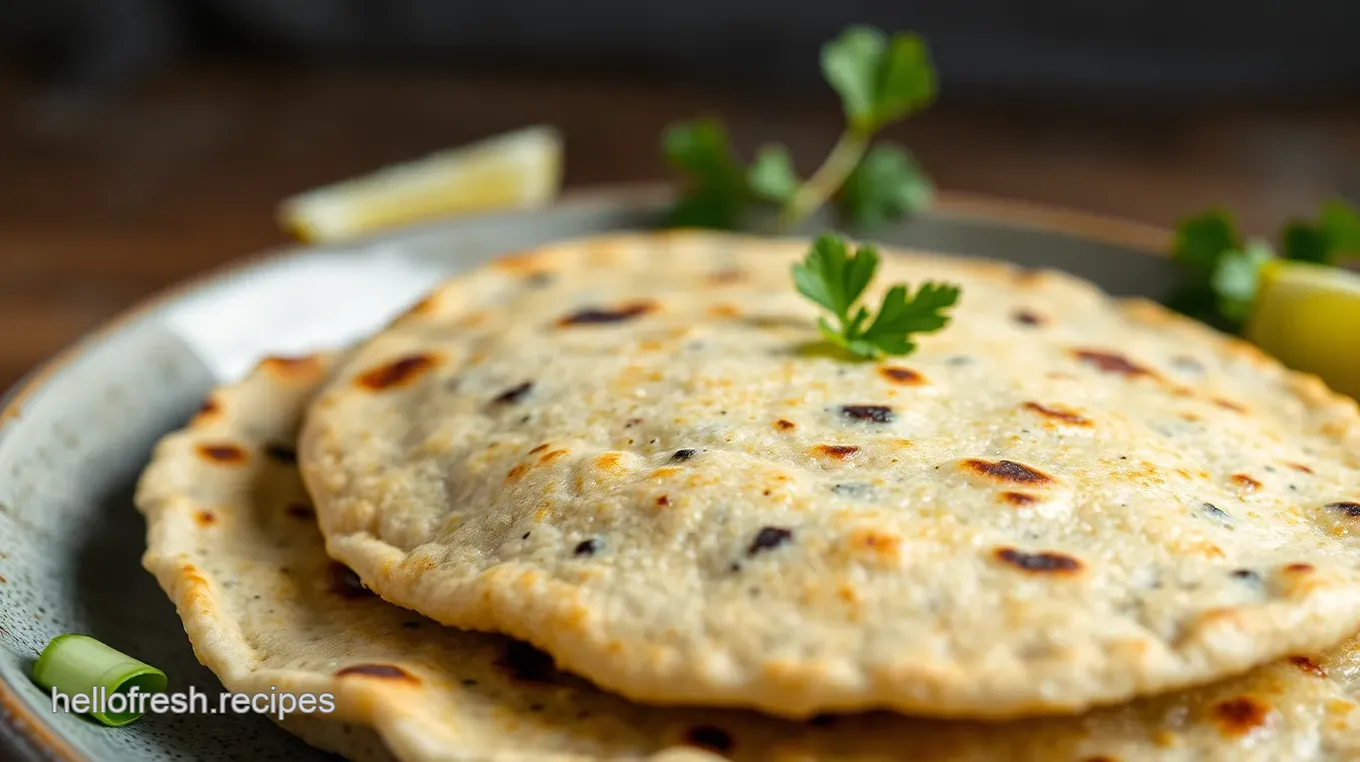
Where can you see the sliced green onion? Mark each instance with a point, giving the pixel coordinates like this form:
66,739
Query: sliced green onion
79,665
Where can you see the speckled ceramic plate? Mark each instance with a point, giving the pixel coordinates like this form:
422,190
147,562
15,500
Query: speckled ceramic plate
74,436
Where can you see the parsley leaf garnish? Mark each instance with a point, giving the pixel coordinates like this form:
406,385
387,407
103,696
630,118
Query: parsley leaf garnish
887,184
1200,246
772,176
1305,243
834,278
715,189
1334,237
1220,272
1200,241
1235,278
1342,226
880,80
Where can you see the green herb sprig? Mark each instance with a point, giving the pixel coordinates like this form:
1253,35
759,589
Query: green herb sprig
835,279
880,80
1220,270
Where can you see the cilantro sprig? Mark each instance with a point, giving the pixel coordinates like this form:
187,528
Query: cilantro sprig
1221,270
836,279
880,79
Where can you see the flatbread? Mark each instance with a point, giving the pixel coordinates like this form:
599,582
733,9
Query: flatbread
232,542
354,742
623,451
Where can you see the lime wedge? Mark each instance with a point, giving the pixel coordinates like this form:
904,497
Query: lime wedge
518,169
1309,316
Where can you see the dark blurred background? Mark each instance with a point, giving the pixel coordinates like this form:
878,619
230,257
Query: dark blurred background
142,141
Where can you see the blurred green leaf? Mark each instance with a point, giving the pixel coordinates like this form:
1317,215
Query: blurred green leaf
1341,223
1236,277
879,79
886,185
715,193
1201,240
1305,242
771,175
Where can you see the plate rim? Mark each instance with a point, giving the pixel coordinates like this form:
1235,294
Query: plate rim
27,734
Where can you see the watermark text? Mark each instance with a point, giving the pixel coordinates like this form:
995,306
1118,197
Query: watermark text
134,700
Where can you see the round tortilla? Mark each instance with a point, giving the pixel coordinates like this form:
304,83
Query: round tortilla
232,541
630,451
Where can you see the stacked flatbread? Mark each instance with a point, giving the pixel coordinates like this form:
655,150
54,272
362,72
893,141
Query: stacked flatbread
607,500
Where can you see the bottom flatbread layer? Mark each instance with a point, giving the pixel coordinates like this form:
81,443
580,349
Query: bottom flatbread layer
233,540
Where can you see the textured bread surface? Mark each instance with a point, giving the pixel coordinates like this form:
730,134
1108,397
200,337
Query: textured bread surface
232,540
630,451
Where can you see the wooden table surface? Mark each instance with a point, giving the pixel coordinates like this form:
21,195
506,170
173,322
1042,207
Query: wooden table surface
102,204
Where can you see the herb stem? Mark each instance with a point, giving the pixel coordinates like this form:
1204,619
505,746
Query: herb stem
831,175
